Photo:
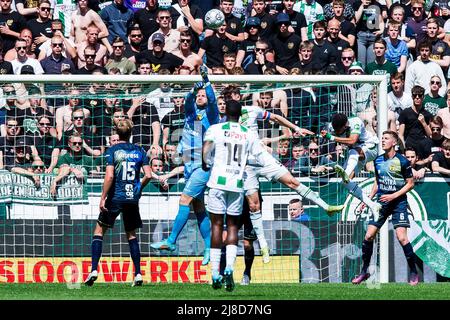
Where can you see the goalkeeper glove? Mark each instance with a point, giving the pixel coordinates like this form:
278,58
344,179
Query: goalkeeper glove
197,86
204,73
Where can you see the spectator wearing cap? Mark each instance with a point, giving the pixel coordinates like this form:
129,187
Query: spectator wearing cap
146,19
246,48
298,20
313,12
117,18
22,59
191,59
285,45
267,21
21,159
234,30
188,17
171,36
260,63
158,57
118,60
420,71
11,23
381,66
325,53
215,46
56,63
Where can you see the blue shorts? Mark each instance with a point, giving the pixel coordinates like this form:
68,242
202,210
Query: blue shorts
196,184
130,215
399,211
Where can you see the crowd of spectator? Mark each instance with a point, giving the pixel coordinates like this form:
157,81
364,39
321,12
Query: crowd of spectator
406,40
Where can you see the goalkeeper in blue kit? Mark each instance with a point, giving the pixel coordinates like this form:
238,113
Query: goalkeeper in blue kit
393,180
201,112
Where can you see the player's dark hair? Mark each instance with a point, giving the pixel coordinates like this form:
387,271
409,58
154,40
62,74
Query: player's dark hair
124,129
338,121
411,149
233,110
229,90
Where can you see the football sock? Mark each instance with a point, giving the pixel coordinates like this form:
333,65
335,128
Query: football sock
257,223
135,253
356,191
215,261
367,249
223,259
352,162
179,223
249,256
410,257
307,193
231,255
96,247
204,225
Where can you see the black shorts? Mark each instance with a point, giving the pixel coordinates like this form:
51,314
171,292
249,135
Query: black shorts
130,215
399,211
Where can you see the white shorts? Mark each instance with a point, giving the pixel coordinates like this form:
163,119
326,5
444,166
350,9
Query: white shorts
225,202
370,153
272,171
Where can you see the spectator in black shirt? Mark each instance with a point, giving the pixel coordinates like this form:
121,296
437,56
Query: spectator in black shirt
11,23
26,168
41,27
298,20
324,52
441,160
334,37
173,122
215,46
188,17
429,147
344,13
158,58
11,108
135,44
44,145
285,45
267,21
414,121
246,48
146,19
5,66
305,54
89,55
260,63
417,169
234,31
9,143
37,109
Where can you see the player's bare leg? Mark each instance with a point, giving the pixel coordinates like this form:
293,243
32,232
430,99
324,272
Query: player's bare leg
289,181
231,245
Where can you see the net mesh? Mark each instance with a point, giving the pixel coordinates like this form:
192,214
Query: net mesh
46,234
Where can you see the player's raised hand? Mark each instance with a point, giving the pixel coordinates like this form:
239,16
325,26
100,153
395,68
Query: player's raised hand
198,85
204,73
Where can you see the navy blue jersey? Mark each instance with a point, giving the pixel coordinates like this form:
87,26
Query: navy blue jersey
127,159
391,174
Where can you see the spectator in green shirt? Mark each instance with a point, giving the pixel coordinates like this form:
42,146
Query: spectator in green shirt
381,66
433,101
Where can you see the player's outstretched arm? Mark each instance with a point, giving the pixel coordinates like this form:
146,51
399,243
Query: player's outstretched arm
351,140
189,103
285,122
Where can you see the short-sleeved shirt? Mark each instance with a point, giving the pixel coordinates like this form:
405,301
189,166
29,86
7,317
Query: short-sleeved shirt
440,158
16,22
166,61
127,159
414,131
369,19
215,47
395,52
174,120
432,105
391,174
286,50
81,162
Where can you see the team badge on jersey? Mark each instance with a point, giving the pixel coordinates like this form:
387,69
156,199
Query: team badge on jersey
199,117
233,25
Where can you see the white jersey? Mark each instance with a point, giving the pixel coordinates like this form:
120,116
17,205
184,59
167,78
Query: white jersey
251,115
63,11
356,126
233,143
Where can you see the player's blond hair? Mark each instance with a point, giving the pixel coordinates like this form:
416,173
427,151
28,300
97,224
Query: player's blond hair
124,129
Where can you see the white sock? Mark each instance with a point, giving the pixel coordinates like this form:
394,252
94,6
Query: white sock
257,223
307,193
356,191
215,261
352,162
231,256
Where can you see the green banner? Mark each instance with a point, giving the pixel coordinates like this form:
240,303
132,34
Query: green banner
15,188
431,243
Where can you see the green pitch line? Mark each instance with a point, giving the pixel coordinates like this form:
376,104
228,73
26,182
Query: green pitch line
434,291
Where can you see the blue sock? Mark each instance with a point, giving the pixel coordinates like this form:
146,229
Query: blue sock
135,255
410,257
367,250
204,224
179,223
96,249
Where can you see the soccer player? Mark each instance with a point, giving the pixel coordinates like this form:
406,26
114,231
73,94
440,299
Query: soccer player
121,192
362,148
201,112
393,179
272,169
226,147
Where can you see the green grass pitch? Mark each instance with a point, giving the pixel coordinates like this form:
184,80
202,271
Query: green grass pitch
323,291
